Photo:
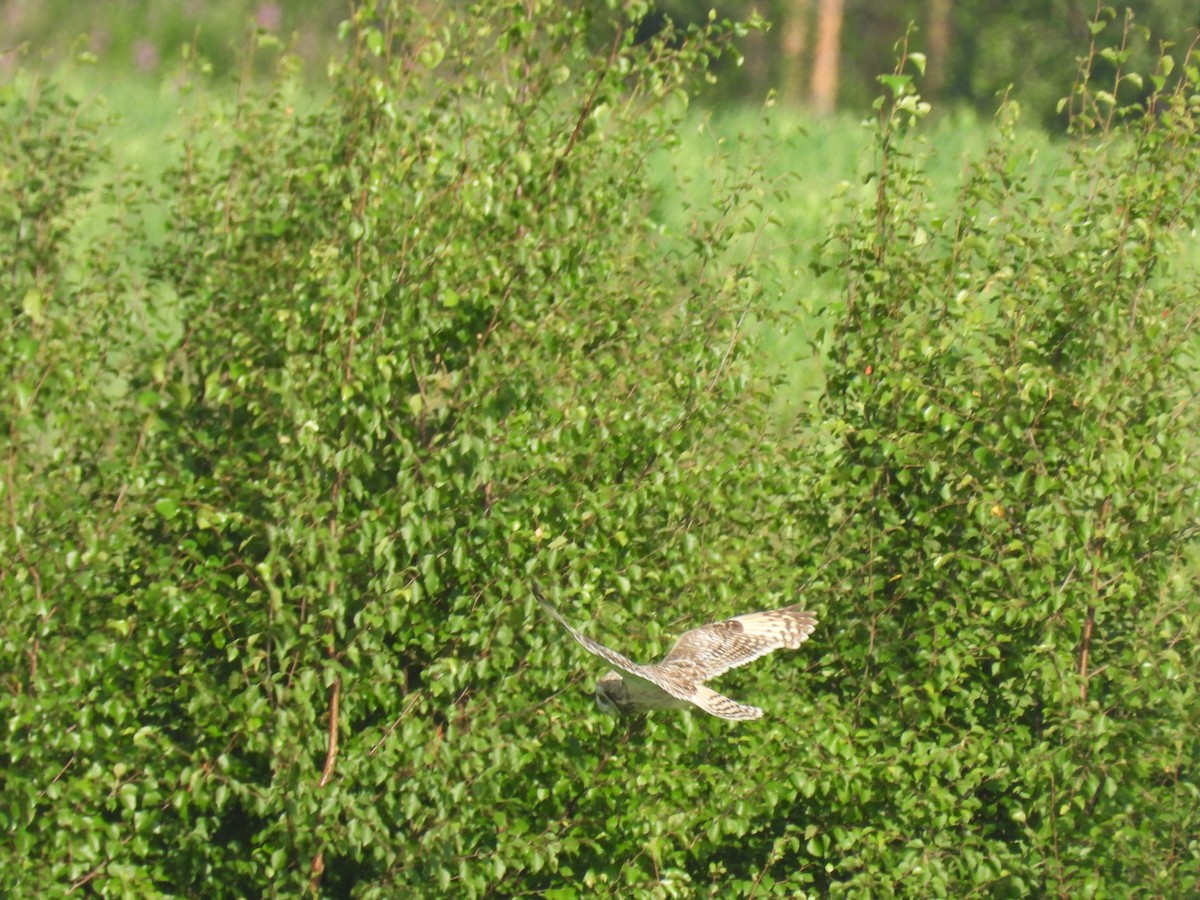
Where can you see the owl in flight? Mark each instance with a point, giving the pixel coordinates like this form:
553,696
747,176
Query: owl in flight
699,655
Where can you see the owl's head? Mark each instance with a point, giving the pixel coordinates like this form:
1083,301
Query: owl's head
610,691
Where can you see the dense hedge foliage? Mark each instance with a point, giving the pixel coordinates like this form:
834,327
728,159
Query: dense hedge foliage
1008,462
277,480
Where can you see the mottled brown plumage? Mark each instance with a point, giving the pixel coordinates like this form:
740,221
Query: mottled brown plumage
699,655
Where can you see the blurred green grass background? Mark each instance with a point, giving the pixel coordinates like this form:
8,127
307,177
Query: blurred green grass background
802,171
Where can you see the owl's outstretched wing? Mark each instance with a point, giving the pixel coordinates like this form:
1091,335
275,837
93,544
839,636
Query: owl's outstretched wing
710,650
719,705
646,674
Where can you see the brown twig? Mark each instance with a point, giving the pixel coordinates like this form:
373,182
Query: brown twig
590,104
1085,646
331,752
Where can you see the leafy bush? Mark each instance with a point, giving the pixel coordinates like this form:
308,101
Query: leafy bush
278,480
401,353
1009,471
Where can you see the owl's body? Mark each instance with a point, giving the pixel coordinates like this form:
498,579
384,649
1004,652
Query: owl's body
634,695
699,655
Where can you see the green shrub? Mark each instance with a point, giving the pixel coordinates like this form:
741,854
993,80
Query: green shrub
410,349
1008,481
278,478
73,343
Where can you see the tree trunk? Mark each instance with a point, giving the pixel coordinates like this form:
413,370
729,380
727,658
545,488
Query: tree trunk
940,25
825,59
794,49
757,64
